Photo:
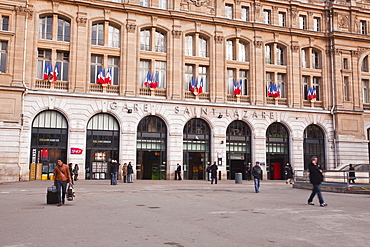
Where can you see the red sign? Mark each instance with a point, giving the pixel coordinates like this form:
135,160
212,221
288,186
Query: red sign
76,151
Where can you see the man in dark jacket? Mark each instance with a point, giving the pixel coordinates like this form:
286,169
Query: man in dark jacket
178,172
316,178
213,168
114,172
257,174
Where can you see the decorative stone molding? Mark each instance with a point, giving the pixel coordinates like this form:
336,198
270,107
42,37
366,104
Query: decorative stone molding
257,9
274,8
176,33
197,26
355,53
199,3
294,12
81,19
55,7
237,2
131,27
107,14
154,21
258,43
295,48
343,21
219,39
20,10
310,13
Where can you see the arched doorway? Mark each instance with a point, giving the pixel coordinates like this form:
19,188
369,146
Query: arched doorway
277,150
196,146
238,148
48,143
102,145
313,145
151,148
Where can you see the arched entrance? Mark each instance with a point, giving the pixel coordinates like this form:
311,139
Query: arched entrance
151,148
196,146
48,143
277,150
313,145
102,145
238,148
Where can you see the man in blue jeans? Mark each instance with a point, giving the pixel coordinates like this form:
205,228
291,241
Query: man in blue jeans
61,178
114,172
257,174
316,178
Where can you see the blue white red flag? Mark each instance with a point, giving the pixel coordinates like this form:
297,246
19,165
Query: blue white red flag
237,87
56,73
101,78
155,81
193,86
108,77
47,70
148,79
200,86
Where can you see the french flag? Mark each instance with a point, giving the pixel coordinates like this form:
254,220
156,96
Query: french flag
237,87
148,79
193,85
277,94
200,86
271,90
155,82
56,73
311,93
101,78
47,71
108,77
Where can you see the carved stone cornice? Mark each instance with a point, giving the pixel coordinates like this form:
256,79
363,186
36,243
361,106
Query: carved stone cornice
176,33
355,53
219,39
258,43
81,19
295,48
20,10
199,3
131,27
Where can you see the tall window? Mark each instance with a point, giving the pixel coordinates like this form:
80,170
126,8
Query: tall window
160,70
243,76
316,84
268,54
346,88
345,63
160,42
303,22
64,30
44,59
113,36
5,23
229,50
280,56
203,74
282,17
229,11
189,45
242,52
113,66
145,40
365,64
267,16
317,24
245,13
269,81
230,81
305,85
315,59
162,4
304,58
62,62
144,69
97,35
365,91
3,55
189,74
312,82
46,27
363,27
281,83
203,51
95,66
144,3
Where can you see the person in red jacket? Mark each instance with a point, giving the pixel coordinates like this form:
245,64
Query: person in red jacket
61,178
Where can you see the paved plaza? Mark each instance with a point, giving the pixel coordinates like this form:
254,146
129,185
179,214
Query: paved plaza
181,213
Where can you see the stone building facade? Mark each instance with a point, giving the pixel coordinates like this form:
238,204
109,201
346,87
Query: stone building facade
160,55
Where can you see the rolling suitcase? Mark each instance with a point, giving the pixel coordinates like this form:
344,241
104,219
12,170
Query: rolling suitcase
70,193
52,196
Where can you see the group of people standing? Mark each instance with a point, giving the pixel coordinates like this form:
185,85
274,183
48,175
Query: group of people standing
127,172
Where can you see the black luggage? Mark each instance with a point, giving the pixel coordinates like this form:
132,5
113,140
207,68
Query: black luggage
70,193
52,196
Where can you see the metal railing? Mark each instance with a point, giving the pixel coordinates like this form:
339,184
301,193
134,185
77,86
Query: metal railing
332,176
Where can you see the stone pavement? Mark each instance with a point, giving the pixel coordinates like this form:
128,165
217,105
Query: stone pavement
181,213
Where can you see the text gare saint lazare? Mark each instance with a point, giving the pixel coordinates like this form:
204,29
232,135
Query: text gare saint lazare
203,110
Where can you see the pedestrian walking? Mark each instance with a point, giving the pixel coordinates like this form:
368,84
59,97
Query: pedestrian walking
178,172
70,171
124,172
75,171
351,174
213,169
114,172
316,178
257,175
130,173
248,171
289,174
62,176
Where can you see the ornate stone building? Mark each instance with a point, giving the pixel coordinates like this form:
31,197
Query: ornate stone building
160,82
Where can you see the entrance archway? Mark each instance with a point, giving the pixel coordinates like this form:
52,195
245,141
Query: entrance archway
196,146
277,150
102,145
313,145
48,143
151,148
238,148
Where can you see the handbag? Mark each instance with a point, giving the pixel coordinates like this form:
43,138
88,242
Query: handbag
71,194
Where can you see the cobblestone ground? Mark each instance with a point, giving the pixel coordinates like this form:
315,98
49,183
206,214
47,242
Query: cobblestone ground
181,213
